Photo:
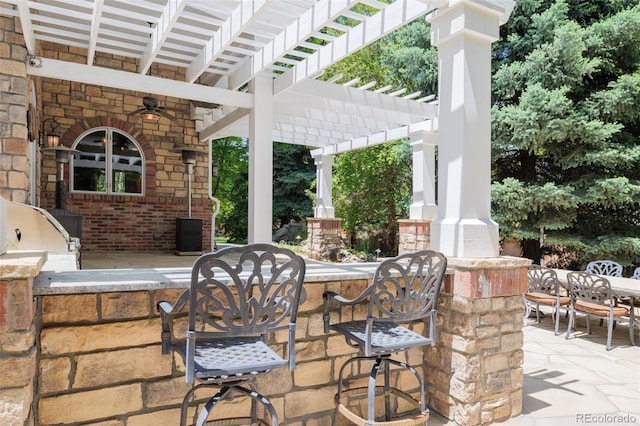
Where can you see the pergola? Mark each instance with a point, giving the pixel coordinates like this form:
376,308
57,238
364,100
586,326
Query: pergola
251,69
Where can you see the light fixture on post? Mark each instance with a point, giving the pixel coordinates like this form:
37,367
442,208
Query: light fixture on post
63,154
188,230
49,139
72,221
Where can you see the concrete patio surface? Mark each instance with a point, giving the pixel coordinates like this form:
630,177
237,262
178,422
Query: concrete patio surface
567,382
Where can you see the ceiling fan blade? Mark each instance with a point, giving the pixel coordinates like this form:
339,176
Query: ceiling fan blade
138,111
164,113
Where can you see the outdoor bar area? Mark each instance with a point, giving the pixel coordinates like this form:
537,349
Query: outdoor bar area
84,347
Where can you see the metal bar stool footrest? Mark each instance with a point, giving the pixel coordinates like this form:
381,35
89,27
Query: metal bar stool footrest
419,418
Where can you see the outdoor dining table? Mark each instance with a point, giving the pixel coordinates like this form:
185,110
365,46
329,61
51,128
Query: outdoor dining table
619,285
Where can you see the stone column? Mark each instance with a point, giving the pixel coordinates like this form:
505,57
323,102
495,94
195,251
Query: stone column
463,33
15,152
413,235
324,240
17,336
324,171
475,373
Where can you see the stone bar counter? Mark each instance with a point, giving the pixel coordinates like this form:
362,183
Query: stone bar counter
83,347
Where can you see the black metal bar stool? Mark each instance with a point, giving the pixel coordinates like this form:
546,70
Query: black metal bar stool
238,297
404,290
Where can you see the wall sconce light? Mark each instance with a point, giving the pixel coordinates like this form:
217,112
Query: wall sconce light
49,139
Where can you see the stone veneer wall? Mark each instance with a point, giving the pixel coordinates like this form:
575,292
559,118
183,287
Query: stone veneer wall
17,337
100,362
475,372
15,151
413,235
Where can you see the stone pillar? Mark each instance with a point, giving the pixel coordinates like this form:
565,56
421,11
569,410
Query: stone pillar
17,336
323,235
413,235
475,373
463,33
15,152
324,172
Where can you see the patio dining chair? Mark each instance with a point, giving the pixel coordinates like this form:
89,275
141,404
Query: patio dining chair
604,267
404,291
591,295
628,300
543,288
238,297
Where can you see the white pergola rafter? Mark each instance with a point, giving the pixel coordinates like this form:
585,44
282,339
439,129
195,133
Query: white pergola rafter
161,31
231,28
389,18
95,28
301,29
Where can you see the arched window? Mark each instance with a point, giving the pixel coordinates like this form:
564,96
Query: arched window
109,162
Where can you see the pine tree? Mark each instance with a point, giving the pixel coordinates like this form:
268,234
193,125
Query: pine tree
566,128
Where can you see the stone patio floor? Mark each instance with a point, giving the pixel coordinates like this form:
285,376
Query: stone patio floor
567,382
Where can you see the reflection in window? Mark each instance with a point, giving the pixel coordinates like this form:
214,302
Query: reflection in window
109,162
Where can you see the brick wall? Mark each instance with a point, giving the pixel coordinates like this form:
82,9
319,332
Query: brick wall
413,235
126,222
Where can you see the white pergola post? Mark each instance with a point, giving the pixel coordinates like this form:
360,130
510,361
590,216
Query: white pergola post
261,161
423,145
463,33
324,172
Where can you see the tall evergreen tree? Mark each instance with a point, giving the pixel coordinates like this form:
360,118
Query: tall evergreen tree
231,186
293,174
566,127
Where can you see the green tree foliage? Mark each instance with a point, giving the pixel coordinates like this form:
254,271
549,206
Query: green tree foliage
293,174
566,127
231,187
372,191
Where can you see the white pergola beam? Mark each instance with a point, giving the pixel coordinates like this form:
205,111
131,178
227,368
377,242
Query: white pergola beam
376,138
27,29
99,76
316,93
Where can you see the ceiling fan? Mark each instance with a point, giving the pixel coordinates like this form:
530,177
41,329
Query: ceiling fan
151,111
